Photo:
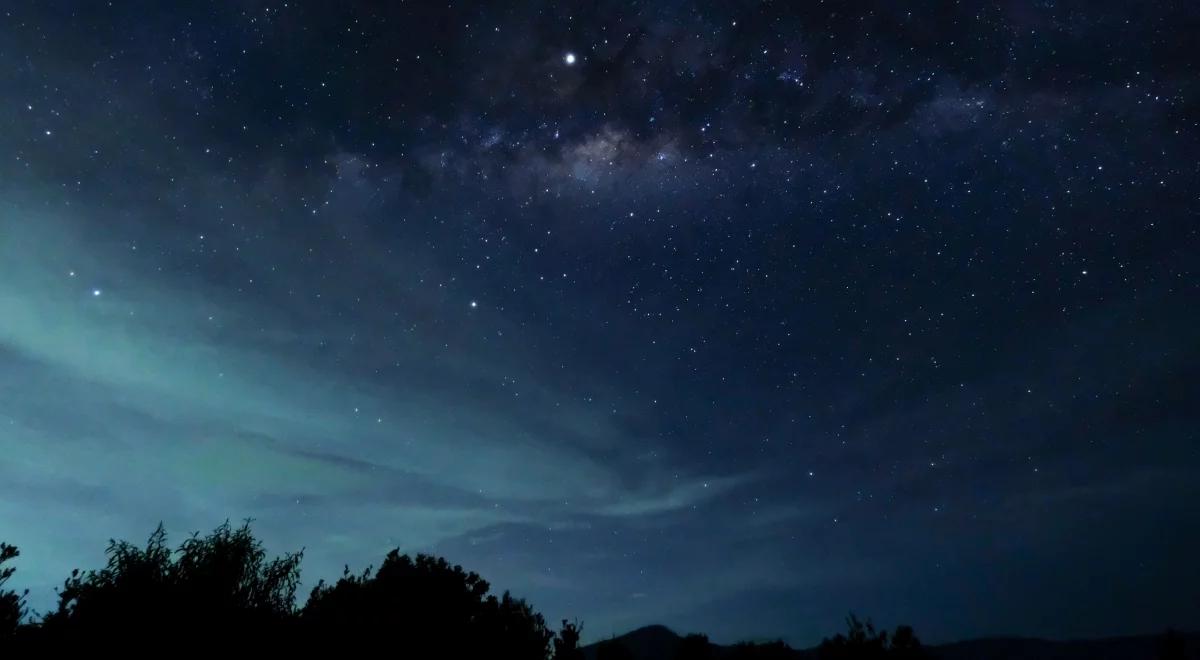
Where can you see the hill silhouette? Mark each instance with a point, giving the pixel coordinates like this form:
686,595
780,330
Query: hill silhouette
222,590
657,642
860,641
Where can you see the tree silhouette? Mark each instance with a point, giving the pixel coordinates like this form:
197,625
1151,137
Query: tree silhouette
428,606
566,642
223,589
12,604
863,642
221,582
905,645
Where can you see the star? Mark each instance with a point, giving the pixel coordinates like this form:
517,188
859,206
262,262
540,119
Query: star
474,304
569,58
96,293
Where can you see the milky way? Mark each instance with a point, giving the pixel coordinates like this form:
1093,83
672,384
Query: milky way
732,316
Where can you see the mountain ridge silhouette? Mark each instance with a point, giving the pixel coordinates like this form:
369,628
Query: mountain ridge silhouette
660,642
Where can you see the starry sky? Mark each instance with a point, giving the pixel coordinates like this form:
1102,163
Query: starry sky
734,316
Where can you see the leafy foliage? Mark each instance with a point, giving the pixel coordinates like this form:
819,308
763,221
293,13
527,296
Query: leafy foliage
223,588
12,604
222,581
430,604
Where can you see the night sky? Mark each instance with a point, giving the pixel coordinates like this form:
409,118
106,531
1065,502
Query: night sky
733,316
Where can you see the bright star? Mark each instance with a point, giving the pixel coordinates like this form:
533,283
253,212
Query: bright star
569,58
95,293
474,304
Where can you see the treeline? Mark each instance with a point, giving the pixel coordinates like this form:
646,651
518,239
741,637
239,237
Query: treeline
222,589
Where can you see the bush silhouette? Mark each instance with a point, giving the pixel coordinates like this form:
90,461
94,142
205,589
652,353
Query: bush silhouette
863,642
219,583
431,607
223,588
12,604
